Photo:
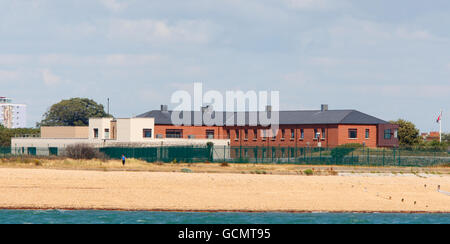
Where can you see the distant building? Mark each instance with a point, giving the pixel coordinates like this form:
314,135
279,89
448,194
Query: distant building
432,136
317,128
12,115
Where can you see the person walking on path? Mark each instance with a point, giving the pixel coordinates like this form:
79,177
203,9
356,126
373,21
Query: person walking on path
123,160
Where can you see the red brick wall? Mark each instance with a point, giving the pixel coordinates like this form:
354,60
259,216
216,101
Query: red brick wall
335,135
198,131
361,138
330,140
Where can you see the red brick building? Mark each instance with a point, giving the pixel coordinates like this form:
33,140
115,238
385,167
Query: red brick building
324,128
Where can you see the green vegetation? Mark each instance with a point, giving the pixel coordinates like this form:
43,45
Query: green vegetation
338,153
73,112
7,134
308,172
409,138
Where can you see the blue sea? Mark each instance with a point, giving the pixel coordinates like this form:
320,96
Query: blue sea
143,217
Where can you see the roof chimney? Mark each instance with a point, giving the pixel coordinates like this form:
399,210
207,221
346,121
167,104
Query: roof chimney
164,108
324,107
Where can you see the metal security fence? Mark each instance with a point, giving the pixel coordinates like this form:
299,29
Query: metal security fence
264,155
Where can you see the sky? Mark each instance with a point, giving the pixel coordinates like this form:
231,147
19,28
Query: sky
389,59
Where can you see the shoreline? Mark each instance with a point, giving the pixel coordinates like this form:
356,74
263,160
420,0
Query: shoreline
221,211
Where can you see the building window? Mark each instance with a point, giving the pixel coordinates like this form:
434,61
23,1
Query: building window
228,134
170,133
323,133
316,136
106,133
210,134
302,134
292,134
387,134
147,133
367,133
283,134
396,133
246,134
237,134
95,133
255,134
274,137
352,133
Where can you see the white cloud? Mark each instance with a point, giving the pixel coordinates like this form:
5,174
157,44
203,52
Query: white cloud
6,75
296,78
313,4
13,59
113,5
49,78
101,60
372,32
159,31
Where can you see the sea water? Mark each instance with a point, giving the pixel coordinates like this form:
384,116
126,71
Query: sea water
144,217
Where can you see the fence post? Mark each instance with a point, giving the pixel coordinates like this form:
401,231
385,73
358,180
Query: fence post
368,157
383,156
399,158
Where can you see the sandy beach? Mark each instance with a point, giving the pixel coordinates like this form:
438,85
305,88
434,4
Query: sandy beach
23,188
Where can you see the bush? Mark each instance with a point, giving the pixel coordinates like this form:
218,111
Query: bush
308,172
83,151
338,153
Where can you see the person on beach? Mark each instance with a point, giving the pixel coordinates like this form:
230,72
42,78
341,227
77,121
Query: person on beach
123,160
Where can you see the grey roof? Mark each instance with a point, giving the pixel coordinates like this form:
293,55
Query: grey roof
302,117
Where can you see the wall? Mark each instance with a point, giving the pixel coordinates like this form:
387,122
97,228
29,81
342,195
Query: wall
393,142
198,131
361,131
330,139
101,124
131,130
65,132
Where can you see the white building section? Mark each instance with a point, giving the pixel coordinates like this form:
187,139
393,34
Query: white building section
12,115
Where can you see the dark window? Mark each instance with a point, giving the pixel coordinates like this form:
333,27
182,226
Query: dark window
315,134
292,133
210,134
255,134
283,133
228,134
53,151
245,134
302,134
31,150
387,134
323,133
147,133
237,134
352,133
95,133
367,133
171,133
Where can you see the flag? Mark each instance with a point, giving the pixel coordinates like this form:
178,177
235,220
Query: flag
439,118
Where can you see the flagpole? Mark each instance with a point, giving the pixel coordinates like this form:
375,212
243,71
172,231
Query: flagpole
440,128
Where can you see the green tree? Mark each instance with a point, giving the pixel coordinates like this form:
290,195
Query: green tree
6,134
73,112
408,134
446,137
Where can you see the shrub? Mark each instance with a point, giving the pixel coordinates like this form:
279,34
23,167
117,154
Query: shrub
83,151
338,153
308,172
224,164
